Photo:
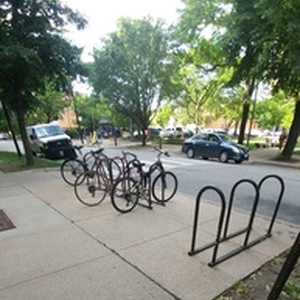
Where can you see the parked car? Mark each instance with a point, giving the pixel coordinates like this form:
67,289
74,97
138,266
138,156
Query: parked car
50,141
214,145
4,136
272,138
151,131
171,132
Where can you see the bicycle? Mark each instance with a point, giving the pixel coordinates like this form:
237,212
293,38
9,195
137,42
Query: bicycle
91,186
127,191
71,168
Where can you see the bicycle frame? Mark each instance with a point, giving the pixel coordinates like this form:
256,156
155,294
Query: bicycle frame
144,181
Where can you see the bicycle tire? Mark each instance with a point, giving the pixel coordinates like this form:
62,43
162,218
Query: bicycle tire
105,166
70,169
125,194
164,187
90,188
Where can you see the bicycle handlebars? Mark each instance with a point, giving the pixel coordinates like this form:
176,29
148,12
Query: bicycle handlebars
166,153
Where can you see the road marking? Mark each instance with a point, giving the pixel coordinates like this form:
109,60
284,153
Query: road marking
176,163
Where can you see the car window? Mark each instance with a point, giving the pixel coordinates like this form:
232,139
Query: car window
212,138
48,131
225,137
198,137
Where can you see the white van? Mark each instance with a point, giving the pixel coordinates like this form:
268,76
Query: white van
50,141
171,132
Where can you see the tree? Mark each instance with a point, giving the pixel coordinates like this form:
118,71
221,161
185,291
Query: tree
274,112
228,106
278,43
48,105
130,68
31,49
230,25
164,114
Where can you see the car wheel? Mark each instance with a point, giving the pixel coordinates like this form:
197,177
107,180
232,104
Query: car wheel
190,153
223,157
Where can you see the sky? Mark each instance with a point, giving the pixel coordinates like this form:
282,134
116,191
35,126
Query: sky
102,16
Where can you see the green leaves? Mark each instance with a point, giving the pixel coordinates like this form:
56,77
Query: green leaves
130,68
33,49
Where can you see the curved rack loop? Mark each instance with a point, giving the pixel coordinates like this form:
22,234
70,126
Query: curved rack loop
252,215
217,240
279,199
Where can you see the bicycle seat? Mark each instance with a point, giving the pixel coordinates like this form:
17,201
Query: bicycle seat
96,152
138,164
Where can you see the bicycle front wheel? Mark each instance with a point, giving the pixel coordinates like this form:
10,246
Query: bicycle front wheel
70,169
90,188
164,187
125,194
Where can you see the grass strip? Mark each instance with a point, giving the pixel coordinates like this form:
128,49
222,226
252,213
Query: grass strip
11,162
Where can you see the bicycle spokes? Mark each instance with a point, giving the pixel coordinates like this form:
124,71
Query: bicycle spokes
90,188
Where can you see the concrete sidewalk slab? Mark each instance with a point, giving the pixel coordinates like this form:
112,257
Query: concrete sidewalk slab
62,249
106,278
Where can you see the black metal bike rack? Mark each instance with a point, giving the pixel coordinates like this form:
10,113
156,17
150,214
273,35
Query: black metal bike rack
247,230
217,240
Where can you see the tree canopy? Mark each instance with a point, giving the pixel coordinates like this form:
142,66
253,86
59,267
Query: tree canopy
129,69
257,40
32,49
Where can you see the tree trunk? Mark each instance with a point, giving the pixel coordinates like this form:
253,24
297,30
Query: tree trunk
144,137
22,128
11,128
245,114
293,134
249,87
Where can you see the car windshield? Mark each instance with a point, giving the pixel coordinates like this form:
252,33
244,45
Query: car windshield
48,131
225,137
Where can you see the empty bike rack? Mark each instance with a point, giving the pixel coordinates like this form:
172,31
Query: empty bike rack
224,236
217,241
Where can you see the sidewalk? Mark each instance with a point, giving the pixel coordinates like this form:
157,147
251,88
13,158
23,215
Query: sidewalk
61,249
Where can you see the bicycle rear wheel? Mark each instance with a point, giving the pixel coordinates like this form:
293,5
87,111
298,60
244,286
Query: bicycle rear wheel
125,194
164,187
70,169
90,188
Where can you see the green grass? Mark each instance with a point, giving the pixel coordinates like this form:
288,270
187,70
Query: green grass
11,162
297,152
